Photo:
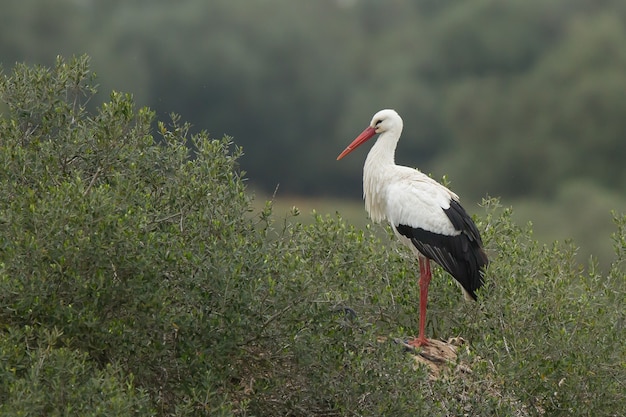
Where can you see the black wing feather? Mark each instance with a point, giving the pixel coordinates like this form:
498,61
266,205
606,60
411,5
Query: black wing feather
462,255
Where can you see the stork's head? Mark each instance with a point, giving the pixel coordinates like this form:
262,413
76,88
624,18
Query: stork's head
383,121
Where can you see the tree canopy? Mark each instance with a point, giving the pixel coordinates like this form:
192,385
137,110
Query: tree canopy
533,87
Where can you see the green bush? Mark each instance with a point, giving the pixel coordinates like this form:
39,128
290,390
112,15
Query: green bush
41,377
136,280
551,328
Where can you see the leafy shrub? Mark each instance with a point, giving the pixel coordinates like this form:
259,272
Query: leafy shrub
135,280
49,379
551,328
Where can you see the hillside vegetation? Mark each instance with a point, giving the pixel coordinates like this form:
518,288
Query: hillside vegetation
135,280
532,87
520,99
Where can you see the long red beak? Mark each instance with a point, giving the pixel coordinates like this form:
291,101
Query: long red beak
360,140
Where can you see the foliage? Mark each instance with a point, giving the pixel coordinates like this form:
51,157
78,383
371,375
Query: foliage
42,377
135,280
552,330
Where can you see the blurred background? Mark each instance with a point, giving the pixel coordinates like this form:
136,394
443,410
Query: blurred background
521,99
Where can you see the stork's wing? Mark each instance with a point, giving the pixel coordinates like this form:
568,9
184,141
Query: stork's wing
434,221
419,201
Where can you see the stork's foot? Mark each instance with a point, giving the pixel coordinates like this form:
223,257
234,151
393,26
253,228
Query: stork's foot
418,342
413,345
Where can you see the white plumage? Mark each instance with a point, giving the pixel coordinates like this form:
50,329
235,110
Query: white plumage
424,214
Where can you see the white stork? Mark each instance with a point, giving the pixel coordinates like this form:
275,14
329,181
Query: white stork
425,215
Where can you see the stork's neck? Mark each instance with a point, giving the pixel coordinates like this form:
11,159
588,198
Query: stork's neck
378,167
383,152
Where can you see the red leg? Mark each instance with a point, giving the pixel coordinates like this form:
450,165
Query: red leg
425,277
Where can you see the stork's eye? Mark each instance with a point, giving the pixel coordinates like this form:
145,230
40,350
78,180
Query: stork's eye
378,122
